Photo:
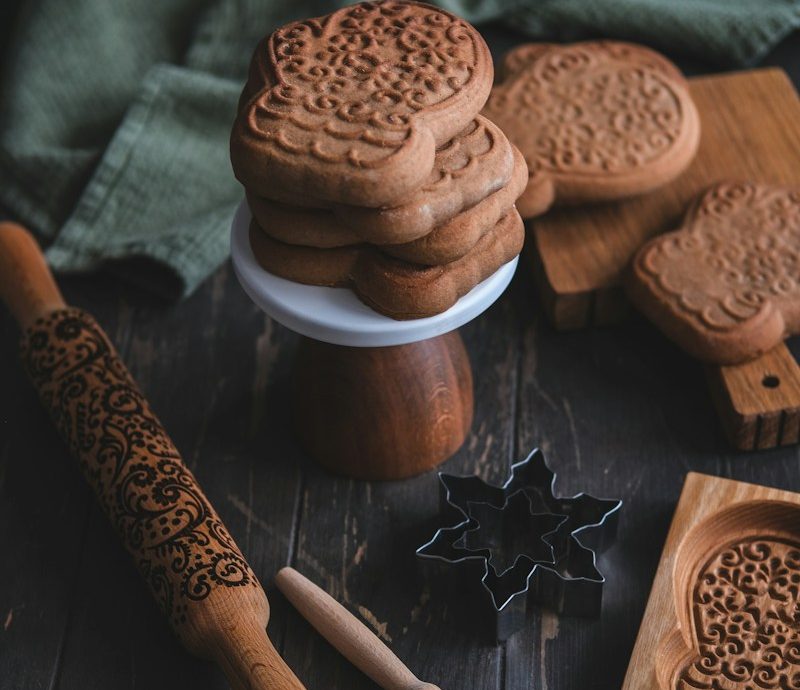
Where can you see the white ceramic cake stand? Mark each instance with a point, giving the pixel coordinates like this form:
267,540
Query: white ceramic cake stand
336,315
372,397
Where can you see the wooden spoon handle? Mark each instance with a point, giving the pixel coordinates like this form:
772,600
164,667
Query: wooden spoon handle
345,632
190,562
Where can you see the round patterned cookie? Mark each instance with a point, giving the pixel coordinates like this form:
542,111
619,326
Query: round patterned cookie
350,107
725,286
595,121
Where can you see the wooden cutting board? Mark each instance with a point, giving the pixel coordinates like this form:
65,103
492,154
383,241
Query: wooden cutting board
724,580
750,130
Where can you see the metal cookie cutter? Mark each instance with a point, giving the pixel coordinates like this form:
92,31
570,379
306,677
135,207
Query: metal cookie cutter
521,544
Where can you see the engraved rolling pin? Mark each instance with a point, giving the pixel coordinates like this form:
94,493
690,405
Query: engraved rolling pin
344,631
188,559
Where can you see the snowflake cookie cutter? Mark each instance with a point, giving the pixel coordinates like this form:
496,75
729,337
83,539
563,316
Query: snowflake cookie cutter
519,544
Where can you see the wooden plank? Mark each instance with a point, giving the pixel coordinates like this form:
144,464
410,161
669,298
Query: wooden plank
716,520
599,403
623,397
618,414
750,130
357,541
43,509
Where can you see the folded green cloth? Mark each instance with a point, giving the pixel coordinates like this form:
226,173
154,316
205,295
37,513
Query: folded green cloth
114,116
726,32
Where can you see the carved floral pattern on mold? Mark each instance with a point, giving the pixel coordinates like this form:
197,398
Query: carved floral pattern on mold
746,617
739,248
598,110
176,539
360,75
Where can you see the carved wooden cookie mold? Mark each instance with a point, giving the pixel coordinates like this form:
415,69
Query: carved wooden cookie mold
350,107
724,612
739,605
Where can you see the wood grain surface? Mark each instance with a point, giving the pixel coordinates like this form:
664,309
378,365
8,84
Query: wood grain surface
750,131
620,412
350,635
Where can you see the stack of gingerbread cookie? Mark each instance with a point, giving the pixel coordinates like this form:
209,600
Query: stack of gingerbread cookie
365,160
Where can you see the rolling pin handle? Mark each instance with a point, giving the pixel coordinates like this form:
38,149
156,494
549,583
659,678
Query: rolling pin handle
250,661
26,284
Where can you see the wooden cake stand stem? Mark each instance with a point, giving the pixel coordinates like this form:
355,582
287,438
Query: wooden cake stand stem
382,412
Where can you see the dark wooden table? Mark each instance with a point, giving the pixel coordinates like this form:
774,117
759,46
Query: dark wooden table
619,411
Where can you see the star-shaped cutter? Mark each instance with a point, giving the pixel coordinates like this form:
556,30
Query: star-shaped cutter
560,572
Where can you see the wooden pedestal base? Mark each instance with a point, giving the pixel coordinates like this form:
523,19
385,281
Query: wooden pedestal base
382,412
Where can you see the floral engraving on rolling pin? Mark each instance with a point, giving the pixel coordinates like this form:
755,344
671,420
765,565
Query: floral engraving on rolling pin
176,538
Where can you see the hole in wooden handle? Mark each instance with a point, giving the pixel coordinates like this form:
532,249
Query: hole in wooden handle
770,381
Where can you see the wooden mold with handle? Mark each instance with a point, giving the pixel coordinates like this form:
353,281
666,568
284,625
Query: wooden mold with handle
724,609
750,131
191,564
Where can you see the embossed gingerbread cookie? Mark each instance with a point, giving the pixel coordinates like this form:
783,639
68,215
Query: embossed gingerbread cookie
725,286
396,288
350,107
595,121
474,164
445,243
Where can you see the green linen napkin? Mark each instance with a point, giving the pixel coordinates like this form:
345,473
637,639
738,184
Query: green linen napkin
726,32
114,116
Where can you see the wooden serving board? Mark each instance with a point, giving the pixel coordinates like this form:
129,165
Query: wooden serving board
750,130
726,590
